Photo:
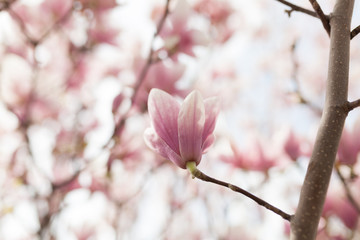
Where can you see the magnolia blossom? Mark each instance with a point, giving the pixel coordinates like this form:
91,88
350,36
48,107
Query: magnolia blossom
181,133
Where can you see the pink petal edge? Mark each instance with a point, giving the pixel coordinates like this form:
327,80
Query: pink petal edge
212,110
158,145
164,112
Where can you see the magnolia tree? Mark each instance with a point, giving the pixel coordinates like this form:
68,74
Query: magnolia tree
174,119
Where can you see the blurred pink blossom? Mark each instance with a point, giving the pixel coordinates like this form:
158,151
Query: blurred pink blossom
177,35
217,11
102,33
98,5
28,106
129,149
338,205
294,147
254,158
38,18
161,75
349,146
181,133
57,8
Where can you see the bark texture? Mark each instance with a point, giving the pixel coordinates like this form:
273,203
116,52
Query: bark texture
305,222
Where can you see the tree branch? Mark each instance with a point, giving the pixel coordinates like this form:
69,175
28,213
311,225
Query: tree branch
347,190
355,32
318,12
353,104
191,166
312,197
324,19
298,9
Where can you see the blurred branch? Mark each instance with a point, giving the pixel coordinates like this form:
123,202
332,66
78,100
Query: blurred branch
56,24
297,9
150,60
191,166
297,90
347,190
324,18
27,35
355,32
24,31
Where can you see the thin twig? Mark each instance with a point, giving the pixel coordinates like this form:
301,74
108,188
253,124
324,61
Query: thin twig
324,19
298,9
347,190
318,12
26,33
198,174
355,32
297,90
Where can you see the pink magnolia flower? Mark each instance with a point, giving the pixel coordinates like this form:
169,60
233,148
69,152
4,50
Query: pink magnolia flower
181,133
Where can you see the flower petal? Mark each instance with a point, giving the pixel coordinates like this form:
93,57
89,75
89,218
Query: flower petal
164,112
211,112
207,143
160,146
191,124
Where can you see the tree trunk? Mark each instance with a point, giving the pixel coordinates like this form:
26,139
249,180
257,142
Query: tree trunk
305,222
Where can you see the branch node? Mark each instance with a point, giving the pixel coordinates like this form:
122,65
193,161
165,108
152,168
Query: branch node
324,18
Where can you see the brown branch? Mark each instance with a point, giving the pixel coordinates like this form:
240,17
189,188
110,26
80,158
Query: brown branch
297,9
347,190
355,32
318,12
324,19
353,104
304,224
200,175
